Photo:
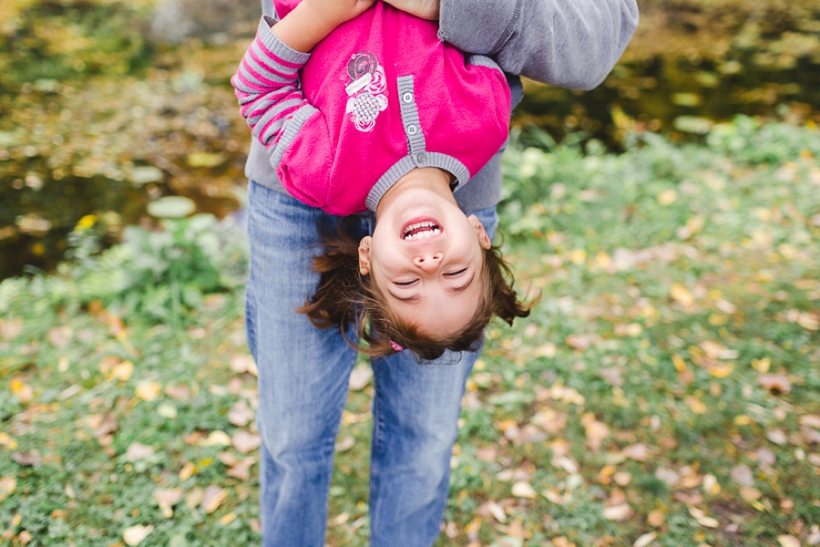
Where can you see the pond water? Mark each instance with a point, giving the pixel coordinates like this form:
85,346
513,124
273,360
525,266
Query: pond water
109,145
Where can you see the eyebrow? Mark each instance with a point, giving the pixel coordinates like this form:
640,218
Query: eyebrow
416,297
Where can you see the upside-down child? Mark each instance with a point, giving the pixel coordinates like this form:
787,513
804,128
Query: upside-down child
362,107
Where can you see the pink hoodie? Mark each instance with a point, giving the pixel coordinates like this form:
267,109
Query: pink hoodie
381,95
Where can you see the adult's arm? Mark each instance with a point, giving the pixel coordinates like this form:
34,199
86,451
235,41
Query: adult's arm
567,43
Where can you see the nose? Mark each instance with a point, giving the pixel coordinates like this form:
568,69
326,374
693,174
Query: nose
428,262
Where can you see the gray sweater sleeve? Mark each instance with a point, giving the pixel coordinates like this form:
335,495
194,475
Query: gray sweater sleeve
568,43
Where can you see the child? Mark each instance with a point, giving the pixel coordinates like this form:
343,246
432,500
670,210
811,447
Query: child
384,116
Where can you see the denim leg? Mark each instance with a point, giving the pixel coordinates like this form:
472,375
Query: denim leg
415,424
303,371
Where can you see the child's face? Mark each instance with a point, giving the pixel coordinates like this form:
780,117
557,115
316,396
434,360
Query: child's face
426,258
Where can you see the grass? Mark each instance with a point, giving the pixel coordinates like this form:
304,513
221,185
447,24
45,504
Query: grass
665,391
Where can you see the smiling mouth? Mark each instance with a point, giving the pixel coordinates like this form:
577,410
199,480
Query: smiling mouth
420,229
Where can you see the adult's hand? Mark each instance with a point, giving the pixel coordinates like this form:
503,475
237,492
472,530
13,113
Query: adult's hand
312,20
426,9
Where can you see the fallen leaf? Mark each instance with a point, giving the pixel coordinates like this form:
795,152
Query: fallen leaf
788,541
655,518
810,420
345,444
227,519
618,513
696,405
166,499
775,383
742,475
135,534
496,511
711,485
622,478
243,363
216,438
148,391
137,451
360,377
7,486
240,414
245,442
638,452
809,321
749,493
60,336
180,392
678,292
107,426
702,518
666,475
187,470
645,539
241,470
27,459
213,498
777,436
122,371
596,431
523,489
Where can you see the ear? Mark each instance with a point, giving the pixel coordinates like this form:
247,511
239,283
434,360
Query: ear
364,255
483,238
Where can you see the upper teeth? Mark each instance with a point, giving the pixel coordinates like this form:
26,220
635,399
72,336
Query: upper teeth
434,231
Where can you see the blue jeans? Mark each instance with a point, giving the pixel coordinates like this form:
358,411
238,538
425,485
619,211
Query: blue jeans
303,384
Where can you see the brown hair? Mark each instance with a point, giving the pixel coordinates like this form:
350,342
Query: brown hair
346,297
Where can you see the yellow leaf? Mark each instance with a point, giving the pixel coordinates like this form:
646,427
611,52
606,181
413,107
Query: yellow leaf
721,371
214,496
678,292
217,438
578,256
122,371
742,420
696,405
187,470
148,391
227,519
7,486
680,364
711,485
6,440
667,197
135,534
762,365
808,321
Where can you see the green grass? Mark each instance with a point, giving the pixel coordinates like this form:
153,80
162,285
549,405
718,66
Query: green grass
671,277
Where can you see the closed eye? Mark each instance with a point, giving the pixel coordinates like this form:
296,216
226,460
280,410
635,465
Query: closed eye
454,274
405,283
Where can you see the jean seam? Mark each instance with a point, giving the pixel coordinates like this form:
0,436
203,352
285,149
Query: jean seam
374,453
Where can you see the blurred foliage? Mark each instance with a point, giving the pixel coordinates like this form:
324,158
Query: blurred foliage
155,275
57,40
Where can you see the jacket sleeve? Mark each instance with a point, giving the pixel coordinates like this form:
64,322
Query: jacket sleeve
568,43
272,102
267,85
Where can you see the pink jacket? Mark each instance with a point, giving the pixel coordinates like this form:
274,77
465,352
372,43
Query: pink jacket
381,95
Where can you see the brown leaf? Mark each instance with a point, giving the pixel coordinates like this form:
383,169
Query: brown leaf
241,363
612,376
244,442
742,475
638,452
345,444
240,414
655,518
27,459
775,383
138,451
241,470
582,341
60,336
136,534
169,497
360,377
180,392
618,513
213,498
810,420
